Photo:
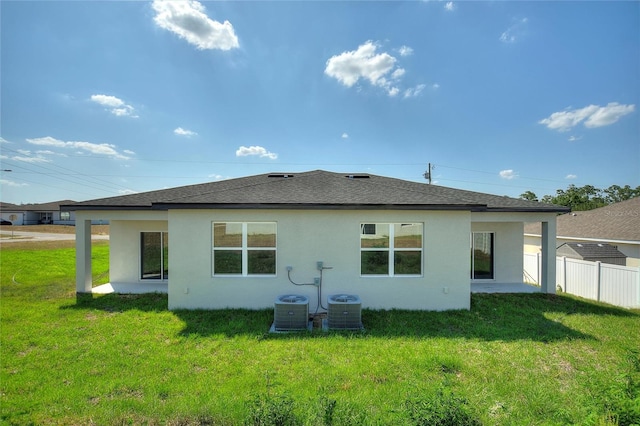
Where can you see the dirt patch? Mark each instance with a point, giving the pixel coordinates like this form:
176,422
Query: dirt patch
56,229
45,245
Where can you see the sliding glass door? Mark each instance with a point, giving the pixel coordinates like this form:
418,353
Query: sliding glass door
154,255
482,261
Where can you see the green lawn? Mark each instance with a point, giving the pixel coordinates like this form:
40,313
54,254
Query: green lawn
510,360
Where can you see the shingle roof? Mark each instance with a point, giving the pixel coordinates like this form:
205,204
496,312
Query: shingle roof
591,250
316,189
615,222
42,207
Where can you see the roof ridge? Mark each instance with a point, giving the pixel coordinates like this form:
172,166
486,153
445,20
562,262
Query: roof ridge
246,185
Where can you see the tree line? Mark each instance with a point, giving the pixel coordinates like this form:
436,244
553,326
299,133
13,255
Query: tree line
586,197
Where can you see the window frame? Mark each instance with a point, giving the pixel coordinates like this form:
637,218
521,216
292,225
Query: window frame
492,256
244,249
365,229
164,258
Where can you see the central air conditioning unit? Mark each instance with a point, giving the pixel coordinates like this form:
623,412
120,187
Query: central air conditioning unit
344,312
291,313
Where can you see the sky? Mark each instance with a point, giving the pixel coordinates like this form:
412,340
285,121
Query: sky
100,99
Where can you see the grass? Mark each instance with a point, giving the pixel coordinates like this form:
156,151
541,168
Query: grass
116,359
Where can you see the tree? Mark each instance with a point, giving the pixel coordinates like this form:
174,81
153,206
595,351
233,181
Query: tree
529,196
615,193
587,197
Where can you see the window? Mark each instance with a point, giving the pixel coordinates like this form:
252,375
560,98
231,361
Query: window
482,256
391,249
244,248
154,255
65,216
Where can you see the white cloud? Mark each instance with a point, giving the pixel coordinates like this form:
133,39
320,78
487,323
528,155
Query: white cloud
367,64
414,91
399,72
244,151
115,105
11,183
574,138
515,31
129,152
127,191
405,51
93,148
184,132
592,116
345,136
508,174
189,21
393,91
30,159
435,86
107,100
609,114
570,176
449,6
216,176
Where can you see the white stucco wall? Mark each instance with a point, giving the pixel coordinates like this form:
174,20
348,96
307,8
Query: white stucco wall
305,237
124,249
508,244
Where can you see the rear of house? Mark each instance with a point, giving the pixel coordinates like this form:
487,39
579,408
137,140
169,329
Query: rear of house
240,243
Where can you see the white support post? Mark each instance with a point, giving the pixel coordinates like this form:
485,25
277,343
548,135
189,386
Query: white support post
83,256
548,279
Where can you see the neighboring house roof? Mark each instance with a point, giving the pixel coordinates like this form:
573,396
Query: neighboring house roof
9,207
615,222
315,189
42,207
590,251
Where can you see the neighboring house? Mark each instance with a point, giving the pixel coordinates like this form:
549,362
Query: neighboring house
237,243
37,214
616,224
593,252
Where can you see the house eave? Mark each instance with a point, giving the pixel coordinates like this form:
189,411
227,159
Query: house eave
72,208
589,239
306,206
309,206
527,210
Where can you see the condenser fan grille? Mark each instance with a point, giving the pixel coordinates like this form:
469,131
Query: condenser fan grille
293,299
344,298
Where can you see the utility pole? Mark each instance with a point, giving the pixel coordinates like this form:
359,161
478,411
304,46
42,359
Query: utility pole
427,174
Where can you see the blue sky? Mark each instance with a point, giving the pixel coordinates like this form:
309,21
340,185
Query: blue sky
107,98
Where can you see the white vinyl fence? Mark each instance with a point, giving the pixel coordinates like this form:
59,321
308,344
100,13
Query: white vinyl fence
613,284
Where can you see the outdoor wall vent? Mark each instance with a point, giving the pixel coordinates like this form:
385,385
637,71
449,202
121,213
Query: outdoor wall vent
357,176
280,175
291,313
344,312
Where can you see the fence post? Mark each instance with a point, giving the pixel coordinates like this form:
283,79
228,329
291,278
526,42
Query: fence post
563,267
638,288
598,278
538,269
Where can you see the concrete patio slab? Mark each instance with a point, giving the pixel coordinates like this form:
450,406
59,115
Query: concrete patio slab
139,288
504,288
131,288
